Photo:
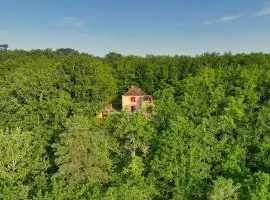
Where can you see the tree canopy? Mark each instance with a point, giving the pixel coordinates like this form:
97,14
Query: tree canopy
208,137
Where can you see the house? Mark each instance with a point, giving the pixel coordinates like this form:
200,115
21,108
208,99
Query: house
136,100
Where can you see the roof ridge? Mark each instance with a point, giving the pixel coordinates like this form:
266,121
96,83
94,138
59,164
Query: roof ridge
134,91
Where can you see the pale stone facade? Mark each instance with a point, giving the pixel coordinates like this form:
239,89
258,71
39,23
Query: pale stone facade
136,100
127,104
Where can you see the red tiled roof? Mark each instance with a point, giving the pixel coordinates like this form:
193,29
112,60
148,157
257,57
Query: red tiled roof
134,91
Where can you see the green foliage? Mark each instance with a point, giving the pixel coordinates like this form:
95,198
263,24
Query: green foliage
223,189
82,160
260,186
207,138
23,162
132,184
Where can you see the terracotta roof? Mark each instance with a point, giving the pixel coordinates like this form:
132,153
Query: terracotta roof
134,91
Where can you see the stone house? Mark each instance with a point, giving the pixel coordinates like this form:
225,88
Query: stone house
136,100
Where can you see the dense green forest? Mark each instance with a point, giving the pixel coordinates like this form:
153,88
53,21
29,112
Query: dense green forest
208,138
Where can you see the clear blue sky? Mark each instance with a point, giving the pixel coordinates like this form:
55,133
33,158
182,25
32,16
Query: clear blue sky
137,26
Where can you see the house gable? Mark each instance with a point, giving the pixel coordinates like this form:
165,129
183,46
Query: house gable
134,91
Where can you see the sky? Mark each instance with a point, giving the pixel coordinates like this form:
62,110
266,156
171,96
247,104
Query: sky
138,27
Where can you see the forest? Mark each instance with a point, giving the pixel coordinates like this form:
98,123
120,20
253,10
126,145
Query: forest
207,138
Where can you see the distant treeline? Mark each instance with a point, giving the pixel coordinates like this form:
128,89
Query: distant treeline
209,136
3,46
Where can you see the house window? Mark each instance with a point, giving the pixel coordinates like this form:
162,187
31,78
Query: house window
132,99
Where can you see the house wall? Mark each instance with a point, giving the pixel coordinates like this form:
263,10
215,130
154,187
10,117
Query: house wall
126,104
